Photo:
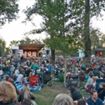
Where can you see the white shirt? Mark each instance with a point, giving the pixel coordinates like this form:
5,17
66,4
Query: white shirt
17,72
20,78
1,72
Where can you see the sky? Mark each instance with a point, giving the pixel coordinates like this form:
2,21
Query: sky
15,30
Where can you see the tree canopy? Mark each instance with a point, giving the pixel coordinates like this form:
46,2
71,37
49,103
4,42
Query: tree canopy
8,10
26,40
68,17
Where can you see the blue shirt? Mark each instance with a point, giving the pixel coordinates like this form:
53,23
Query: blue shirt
97,102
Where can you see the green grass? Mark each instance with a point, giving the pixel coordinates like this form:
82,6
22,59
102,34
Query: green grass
47,94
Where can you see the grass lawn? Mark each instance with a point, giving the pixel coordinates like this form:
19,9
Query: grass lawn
47,94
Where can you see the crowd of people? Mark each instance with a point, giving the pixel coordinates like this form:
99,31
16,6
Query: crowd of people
21,77
65,99
26,77
91,77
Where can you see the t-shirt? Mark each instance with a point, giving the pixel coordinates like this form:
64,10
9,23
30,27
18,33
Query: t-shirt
19,78
97,102
1,72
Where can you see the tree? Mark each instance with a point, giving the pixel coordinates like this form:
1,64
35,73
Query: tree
65,45
8,10
7,51
2,47
14,43
55,15
91,8
26,40
78,12
95,36
86,36
85,10
102,40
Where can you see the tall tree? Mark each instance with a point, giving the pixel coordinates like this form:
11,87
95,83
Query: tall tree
79,12
92,7
8,9
85,10
86,36
53,13
55,16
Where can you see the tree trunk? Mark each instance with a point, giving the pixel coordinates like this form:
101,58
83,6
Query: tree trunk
86,37
53,56
65,71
